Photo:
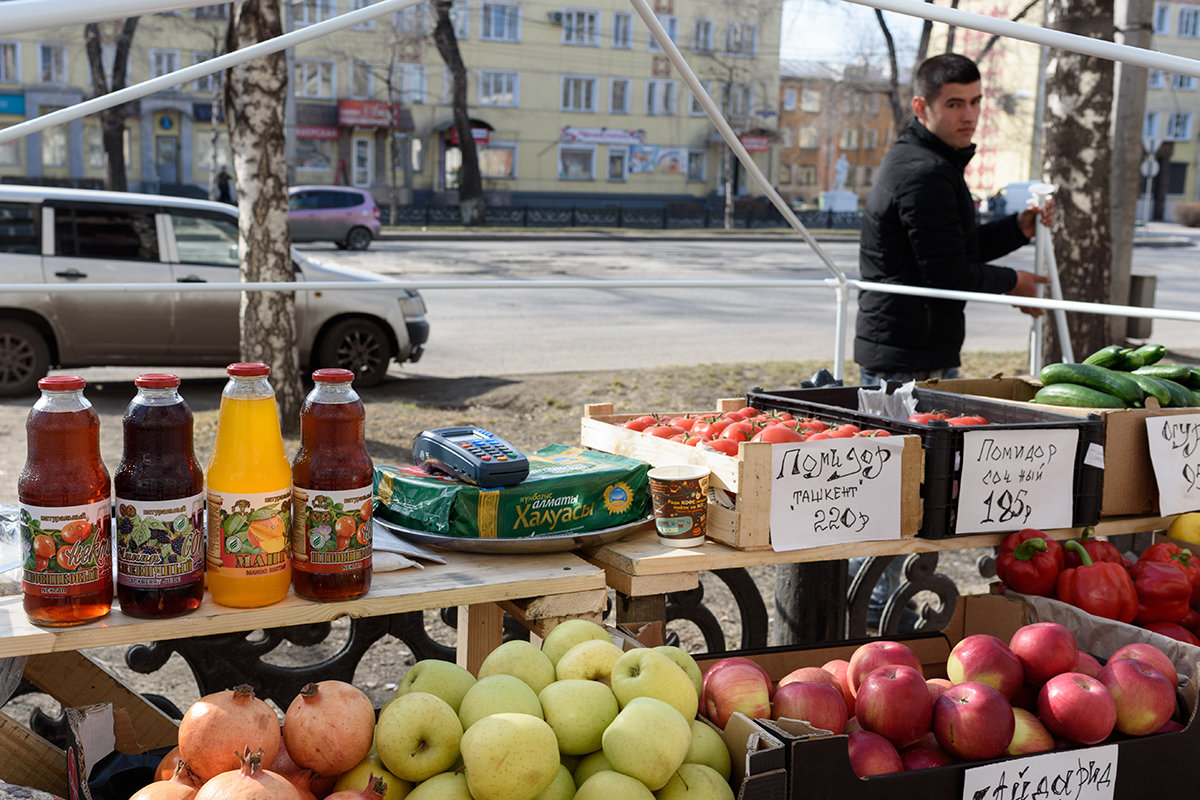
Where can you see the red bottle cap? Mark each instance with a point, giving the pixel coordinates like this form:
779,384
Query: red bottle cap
61,383
333,375
248,369
156,380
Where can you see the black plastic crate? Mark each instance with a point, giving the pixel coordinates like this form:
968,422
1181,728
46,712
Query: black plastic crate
942,443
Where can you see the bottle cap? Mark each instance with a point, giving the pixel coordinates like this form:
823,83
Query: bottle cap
61,383
333,375
156,380
248,369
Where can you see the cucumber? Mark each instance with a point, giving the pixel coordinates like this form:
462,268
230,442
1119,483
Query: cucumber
1110,357
1153,387
1181,396
1180,373
1109,381
1076,396
1130,360
1151,353
1193,379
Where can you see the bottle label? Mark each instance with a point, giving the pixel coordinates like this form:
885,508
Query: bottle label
249,532
66,550
331,530
160,544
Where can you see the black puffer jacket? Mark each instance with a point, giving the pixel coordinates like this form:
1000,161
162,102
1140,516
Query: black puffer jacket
919,229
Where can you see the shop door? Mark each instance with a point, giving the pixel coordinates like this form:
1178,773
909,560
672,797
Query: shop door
166,158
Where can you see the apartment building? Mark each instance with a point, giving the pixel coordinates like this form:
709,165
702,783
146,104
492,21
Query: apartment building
1172,105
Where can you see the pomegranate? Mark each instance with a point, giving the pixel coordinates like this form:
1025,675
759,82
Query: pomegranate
178,787
307,782
375,790
166,768
329,727
219,726
250,781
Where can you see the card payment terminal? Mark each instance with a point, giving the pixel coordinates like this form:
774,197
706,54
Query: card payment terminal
470,454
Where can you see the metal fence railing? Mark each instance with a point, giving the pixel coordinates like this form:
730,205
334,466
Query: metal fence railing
668,217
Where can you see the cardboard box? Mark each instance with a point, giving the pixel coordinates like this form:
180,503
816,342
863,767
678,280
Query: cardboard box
819,766
1129,484
739,507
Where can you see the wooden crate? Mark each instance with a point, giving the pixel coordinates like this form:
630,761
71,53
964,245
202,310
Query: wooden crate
739,507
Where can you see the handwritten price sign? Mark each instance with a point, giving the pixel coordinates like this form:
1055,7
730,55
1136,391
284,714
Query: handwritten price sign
1175,453
1013,479
1088,774
835,490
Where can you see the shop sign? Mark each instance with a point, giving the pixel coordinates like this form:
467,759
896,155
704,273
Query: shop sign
601,136
1013,479
755,144
480,135
315,132
1175,453
364,113
203,112
12,104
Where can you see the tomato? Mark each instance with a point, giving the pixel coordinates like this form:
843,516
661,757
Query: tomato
966,419
748,411
663,431
711,429
818,436
812,423
738,431
344,527
687,423
873,432
43,546
641,423
844,431
727,446
76,531
925,417
782,416
776,434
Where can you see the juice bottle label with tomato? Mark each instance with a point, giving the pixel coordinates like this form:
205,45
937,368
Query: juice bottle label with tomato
248,532
67,549
160,544
331,530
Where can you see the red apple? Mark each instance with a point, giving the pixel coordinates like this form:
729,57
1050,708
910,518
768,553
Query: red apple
839,668
871,754
1152,655
1045,649
816,702
809,674
873,655
1144,698
937,686
1029,735
1078,708
924,754
736,684
1087,664
985,658
973,721
1171,726
894,702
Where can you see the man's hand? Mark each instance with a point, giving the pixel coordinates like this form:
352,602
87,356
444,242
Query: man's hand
1027,286
1027,219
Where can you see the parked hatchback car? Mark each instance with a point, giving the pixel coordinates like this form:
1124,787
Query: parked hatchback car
343,215
74,238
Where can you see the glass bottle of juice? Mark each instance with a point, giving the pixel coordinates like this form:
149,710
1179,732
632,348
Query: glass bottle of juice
249,494
159,498
331,493
65,498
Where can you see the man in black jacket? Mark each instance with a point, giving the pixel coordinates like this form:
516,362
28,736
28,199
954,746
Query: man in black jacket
919,229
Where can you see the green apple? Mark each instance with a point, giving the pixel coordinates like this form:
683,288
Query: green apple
355,778
568,633
443,786
609,785
647,673
589,765
521,659
578,711
509,757
709,749
445,679
497,693
685,661
562,788
590,661
417,736
649,739
695,782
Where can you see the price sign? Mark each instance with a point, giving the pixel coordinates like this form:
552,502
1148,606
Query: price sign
1175,453
1013,479
1087,774
835,490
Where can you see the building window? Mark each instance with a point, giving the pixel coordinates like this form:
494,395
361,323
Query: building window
409,82
807,137
618,161
866,176
500,22
1177,177
741,39
362,155
702,36
739,100
10,153
10,62
810,100
1185,83
1179,127
697,161
660,97
806,175
369,25
418,153
1162,18
206,84
671,23
308,12
219,11
52,63
314,78
581,28
577,94
694,107
498,160
1156,79
55,149
622,35
618,95
576,162
848,139
460,18
362,79
164,62
1189,22
872,104
789,99
787,138
410,21
498,88
870,139
1150,125
203,148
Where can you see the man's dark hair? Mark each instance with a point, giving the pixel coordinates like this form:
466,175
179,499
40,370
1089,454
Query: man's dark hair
936,72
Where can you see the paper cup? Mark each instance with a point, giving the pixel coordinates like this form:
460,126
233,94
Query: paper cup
680,497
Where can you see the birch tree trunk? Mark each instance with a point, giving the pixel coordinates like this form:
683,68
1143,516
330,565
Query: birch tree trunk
112,120
1079,96
253,104
470,183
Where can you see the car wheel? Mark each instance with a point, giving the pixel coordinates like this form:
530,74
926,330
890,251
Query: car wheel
358,239
24,358
358,345
341,245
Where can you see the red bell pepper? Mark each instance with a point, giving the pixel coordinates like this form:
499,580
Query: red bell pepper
1098,549
1173,630
1029,563
1172,553
1103,589
1164,593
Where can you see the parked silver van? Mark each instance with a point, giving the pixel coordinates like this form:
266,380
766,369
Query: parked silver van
78,237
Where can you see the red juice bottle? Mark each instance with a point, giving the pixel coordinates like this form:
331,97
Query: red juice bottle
159,490
332,477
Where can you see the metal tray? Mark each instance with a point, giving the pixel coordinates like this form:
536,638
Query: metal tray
550,543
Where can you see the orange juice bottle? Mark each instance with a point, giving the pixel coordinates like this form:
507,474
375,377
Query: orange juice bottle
249,495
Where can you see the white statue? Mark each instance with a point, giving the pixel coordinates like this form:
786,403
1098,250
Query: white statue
840,169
